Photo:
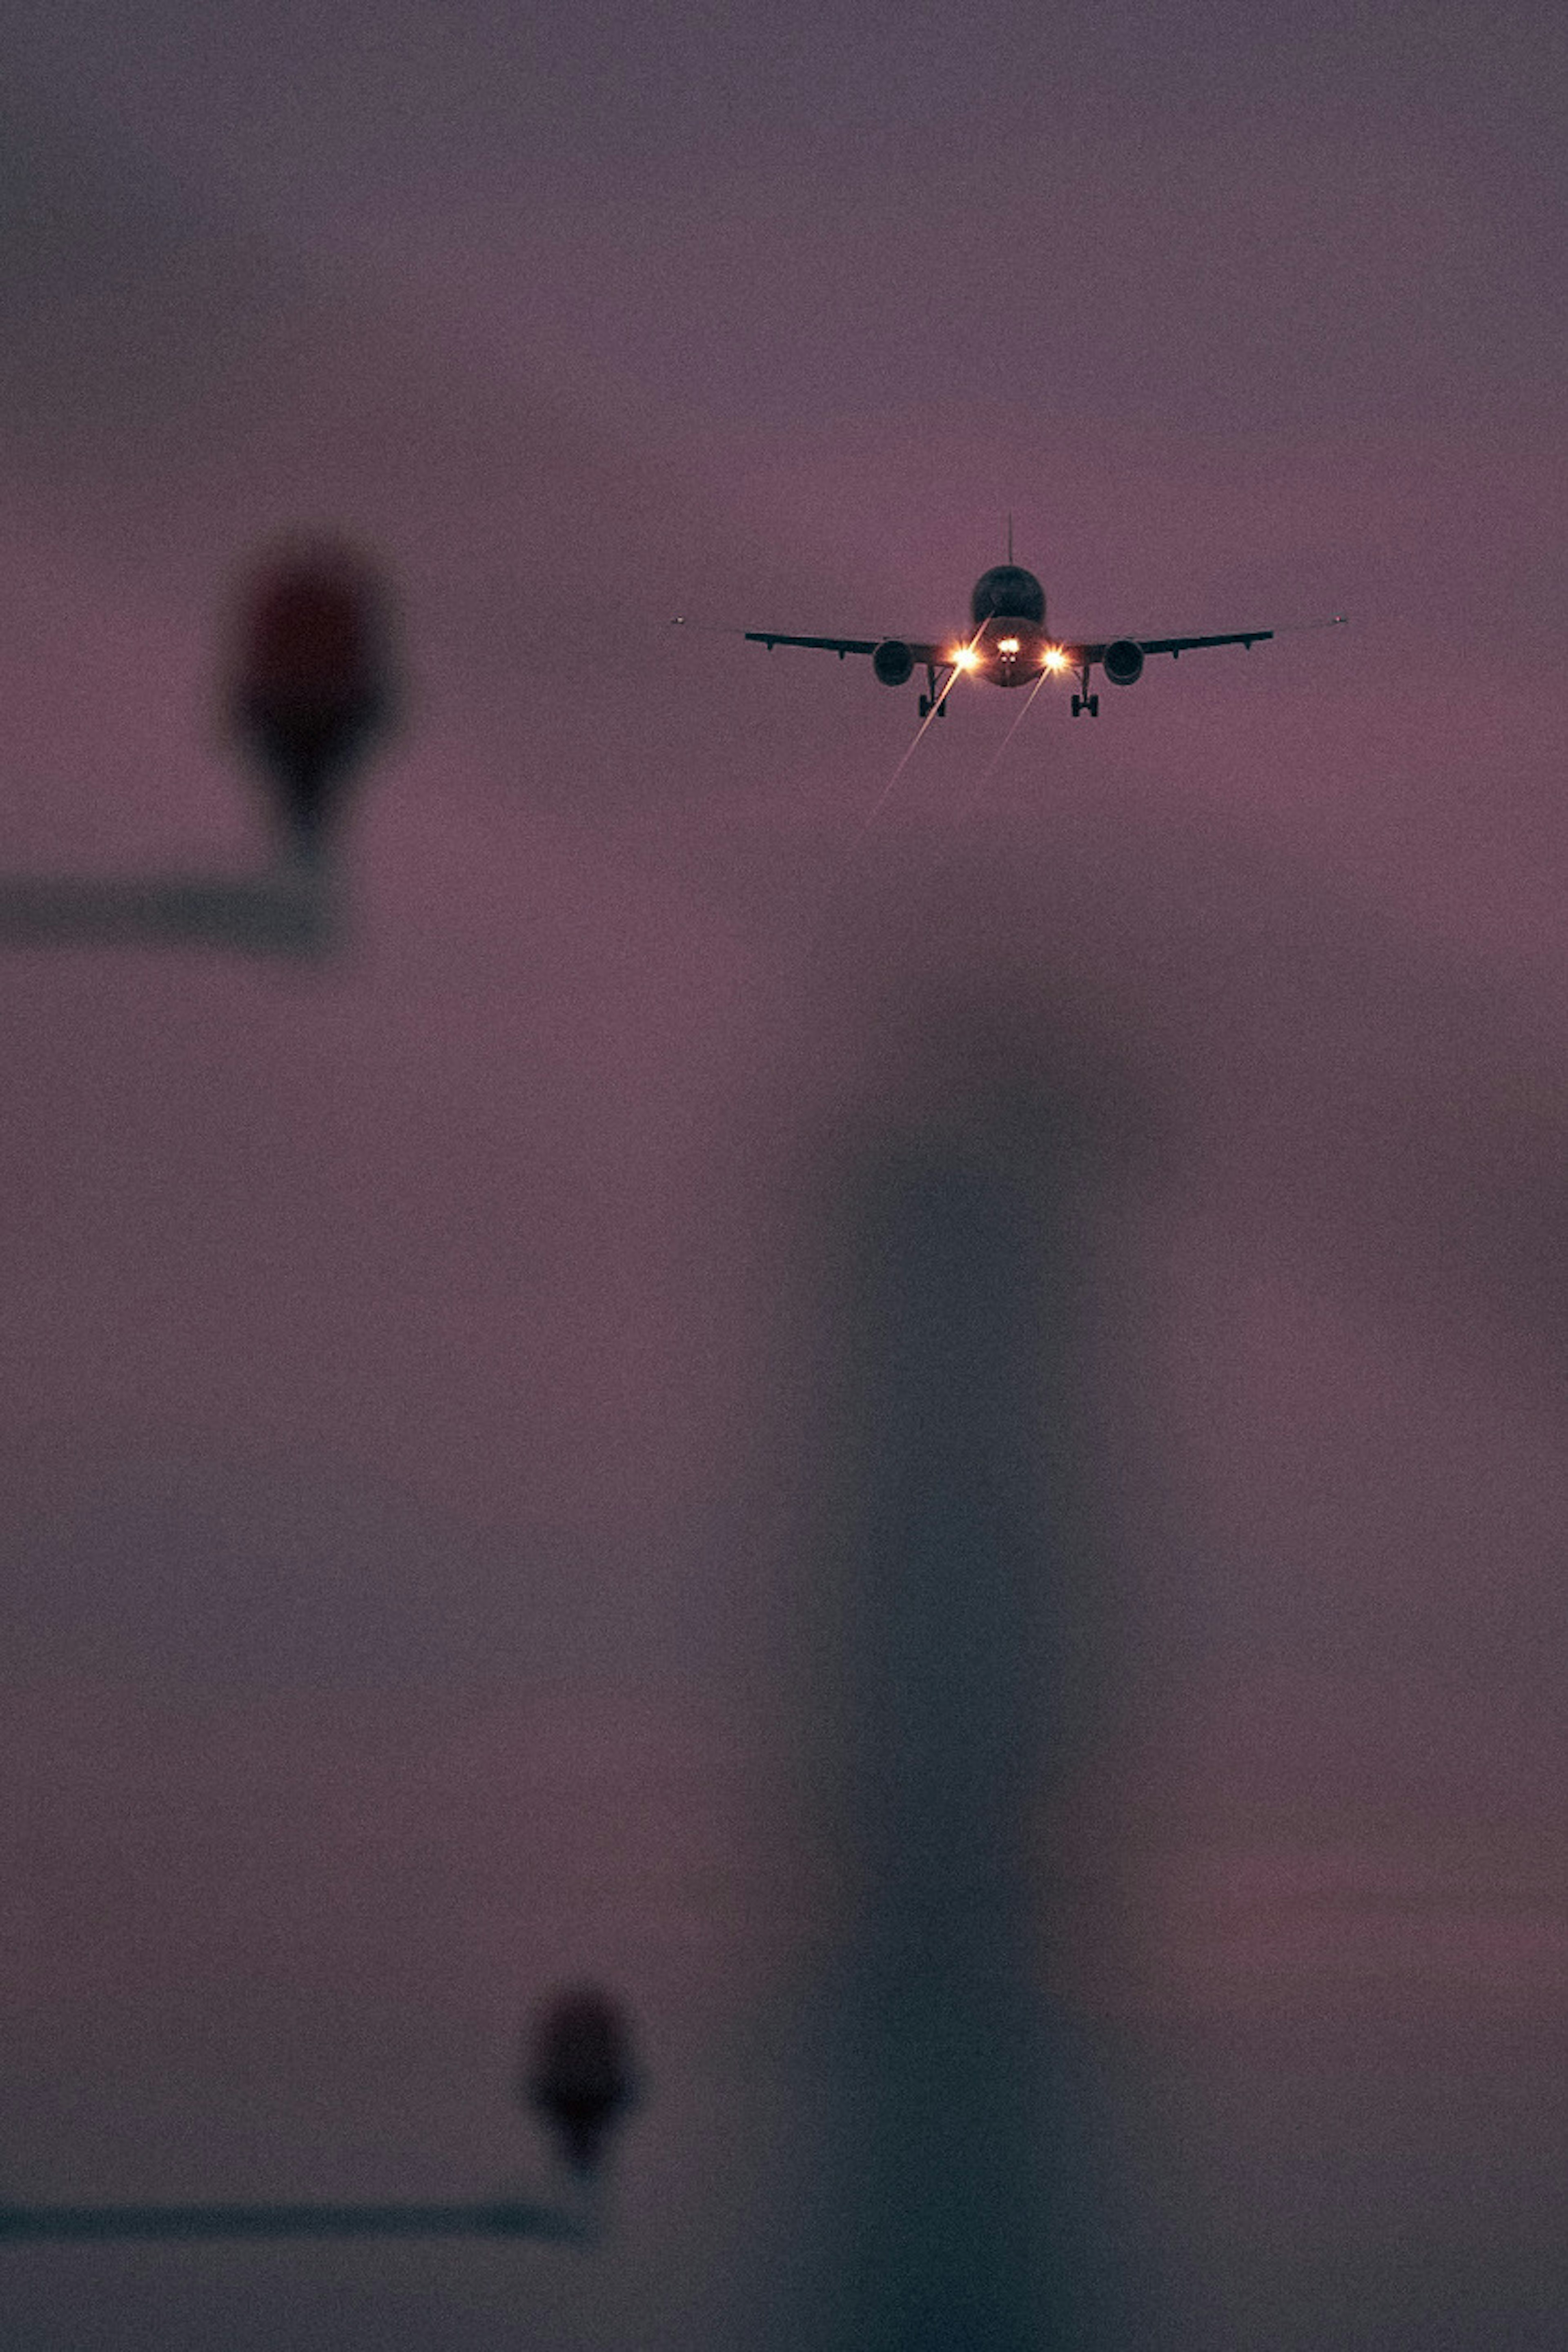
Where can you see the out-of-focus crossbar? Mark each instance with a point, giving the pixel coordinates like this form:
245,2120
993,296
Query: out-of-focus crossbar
291,912
184,2221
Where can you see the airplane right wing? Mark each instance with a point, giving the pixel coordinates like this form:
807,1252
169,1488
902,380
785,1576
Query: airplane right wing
935,656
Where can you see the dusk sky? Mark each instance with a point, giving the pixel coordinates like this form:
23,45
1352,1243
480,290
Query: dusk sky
933,1446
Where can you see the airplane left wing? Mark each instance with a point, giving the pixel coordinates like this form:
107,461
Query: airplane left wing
1089,656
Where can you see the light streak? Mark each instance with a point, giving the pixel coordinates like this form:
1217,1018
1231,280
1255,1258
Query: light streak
962,658
997,756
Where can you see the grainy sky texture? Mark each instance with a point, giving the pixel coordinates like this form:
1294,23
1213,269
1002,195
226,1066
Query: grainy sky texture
937,1449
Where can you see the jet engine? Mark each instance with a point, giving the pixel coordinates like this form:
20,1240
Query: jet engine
893,662
1123,662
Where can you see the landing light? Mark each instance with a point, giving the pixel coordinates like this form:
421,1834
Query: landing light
966,658
1054,658
1006,644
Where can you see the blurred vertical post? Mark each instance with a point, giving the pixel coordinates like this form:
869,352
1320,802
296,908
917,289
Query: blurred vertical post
955,1541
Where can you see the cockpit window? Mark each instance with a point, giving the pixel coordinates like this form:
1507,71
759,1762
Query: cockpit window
1008,592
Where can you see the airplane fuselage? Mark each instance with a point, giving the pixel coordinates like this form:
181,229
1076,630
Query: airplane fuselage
1007,644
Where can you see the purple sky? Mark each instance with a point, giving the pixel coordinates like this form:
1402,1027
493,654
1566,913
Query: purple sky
461,1400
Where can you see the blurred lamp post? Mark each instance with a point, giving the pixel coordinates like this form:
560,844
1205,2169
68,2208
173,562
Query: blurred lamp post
580,2081
308,683
578,2073
311,679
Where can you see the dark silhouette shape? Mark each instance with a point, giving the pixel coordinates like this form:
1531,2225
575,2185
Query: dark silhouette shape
311,682
85,2223
581,2075
577,2071
308,683
955,1588
285,913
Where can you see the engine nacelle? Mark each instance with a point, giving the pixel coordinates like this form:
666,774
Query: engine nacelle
893,662
1123,662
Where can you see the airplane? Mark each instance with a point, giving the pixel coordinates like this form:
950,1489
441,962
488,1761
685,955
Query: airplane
1008,645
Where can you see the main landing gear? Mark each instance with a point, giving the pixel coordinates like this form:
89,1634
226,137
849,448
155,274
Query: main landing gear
930,701
1084,700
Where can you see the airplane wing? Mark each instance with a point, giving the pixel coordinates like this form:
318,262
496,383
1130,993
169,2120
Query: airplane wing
936,655
941,658
1175,646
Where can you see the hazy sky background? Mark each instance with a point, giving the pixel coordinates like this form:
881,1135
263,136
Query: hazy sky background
433,1379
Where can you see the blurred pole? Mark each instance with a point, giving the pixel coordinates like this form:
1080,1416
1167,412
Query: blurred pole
309,682
578,2074
962,2177
95,2223
291,912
